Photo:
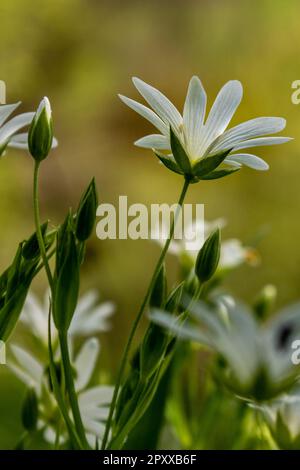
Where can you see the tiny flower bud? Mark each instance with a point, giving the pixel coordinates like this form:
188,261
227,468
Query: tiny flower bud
208,257
30,411
265,301
40,134
86,213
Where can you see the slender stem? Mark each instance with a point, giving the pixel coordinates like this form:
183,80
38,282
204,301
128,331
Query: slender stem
57,391
38,225
140,313
63,337
63,341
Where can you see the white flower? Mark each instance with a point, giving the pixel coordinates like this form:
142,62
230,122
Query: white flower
233,252
9,129
89,318
202,138
283,419
258,358
93,401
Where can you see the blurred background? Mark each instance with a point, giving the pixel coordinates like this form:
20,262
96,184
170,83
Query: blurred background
81,54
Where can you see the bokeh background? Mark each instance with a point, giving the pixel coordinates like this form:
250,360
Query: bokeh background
81,53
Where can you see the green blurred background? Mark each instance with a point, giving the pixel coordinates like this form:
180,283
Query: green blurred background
81,53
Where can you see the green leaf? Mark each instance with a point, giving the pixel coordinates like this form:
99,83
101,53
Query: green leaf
168,162
179,154
208,164
214,175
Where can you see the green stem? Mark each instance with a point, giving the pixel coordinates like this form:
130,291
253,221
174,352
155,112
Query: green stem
65,357
38,225
57,391
63,341
140,313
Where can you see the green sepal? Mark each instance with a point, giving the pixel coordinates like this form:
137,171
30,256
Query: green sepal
30,411
207,164
174,298
158,293
31,246
152,350
179,154
86,212
66,285
168,162
217,174
208,257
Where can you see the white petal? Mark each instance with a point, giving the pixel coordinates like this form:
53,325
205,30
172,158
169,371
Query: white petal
262,141
6,110
249,129
94,320
146,113
85,362
99,395
28,363
160,103
20,141
224,107
35,317
193,113
93,427
252,161
14,125
154,141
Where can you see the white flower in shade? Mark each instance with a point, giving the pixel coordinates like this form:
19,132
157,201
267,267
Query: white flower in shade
89,318
9,128
256,359
200,137
282,417
233,252
93,401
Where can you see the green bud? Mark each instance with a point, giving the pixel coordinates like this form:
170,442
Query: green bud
86,213
265,300
208,257
152,350
40,135
67,284
159,290
30,411
31,247
173,301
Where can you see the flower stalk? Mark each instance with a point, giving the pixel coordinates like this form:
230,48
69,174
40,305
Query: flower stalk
141,311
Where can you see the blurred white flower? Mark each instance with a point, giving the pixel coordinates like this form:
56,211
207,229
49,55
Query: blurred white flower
89,318
93,401
202,138
283,419
233,252
257,359
9,129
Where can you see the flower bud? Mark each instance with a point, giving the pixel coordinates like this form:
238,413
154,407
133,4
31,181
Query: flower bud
30,411
265,301
86,213
67,283
158,293
208,257
40,135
